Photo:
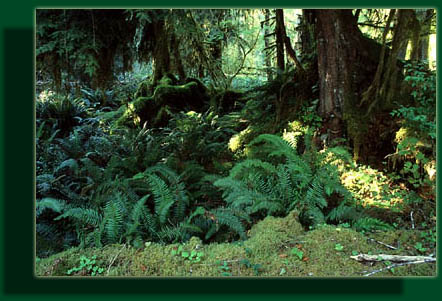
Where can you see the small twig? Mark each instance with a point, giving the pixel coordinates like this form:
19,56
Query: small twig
398,265
382,243
412,220
57,179
113,260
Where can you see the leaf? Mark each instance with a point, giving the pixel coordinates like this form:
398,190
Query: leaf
297,252
339,247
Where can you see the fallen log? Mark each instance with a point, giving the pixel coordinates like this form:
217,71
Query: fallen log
392,258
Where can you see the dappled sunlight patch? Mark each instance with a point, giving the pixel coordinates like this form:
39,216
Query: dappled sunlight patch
371,188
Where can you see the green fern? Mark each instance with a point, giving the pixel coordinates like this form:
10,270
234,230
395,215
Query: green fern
225,216
162,195
50,203
85,216
370,224
279,186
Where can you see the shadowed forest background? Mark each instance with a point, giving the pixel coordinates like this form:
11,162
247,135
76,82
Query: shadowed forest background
235,142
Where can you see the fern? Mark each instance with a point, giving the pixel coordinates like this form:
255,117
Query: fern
163,197
278,186
370,224
49,203
85,216
273,146
225,216
114,216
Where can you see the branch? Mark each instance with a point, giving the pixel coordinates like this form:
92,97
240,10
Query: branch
394,258
112,262
245,54
269,47
382,243
267,20
395,265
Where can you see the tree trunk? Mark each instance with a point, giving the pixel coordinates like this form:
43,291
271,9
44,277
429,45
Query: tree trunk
338,39
267,52
288,44
347,63
280,40
178,64
415,28
161,51
424,43
389,86
307,33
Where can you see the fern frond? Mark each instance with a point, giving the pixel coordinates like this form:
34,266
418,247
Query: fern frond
136,215
85,216
113,220
249,165
181,201
370,224
270,206
273,146
163,197
225,216
50,203
314,215
342,213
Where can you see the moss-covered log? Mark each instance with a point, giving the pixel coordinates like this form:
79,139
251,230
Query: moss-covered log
167,98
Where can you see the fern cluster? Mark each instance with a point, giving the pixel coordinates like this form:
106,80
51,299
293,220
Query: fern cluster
275,179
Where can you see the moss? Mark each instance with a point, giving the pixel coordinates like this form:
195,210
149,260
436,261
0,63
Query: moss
166,99
267,252
224,101
137,112
144,89
356,126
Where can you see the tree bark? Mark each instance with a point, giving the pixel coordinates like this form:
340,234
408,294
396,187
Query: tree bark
424,43
338,39
347,63
280,40
267,51
161,51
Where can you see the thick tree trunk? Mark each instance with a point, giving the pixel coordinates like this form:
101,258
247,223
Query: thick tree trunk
347,63
338,39
280,39
178,64
161,51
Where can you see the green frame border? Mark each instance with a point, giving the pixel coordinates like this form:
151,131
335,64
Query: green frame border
17,185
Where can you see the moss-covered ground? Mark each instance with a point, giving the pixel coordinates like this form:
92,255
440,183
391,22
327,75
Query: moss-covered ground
276,247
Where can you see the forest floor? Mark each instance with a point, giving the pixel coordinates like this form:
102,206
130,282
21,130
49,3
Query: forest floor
276,247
